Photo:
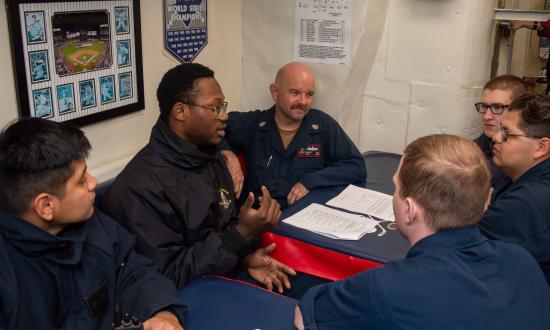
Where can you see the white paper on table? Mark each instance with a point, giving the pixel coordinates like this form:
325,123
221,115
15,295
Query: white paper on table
365,201
331,223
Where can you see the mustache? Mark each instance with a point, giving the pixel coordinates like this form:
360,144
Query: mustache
302,107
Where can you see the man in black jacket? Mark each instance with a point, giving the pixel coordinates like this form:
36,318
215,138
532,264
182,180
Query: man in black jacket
62,264
177,196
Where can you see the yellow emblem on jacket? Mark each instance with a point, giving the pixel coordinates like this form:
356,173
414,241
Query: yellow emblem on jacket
225,200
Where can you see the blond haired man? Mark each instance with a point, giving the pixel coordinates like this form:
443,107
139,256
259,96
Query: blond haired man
452,277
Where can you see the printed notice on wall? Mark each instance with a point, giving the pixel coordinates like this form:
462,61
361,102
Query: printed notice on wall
322,31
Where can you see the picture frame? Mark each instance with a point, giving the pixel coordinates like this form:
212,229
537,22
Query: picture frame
124,53
35,27
122,25
107,90
77,61
38,63
43,104
87,94
125,85
65,98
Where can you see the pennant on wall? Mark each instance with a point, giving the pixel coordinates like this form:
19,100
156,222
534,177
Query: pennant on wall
185,28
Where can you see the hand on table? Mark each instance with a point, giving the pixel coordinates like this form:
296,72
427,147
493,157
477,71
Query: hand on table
298,191
267,270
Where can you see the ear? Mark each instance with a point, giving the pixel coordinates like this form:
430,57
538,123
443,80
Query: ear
44,206
414,211
179,111
542,148
274,90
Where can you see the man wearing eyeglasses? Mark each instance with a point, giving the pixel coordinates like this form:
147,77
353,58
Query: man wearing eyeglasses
497,95
292,148
176,195
519,211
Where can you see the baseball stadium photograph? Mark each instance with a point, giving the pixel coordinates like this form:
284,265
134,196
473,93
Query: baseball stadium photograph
82,41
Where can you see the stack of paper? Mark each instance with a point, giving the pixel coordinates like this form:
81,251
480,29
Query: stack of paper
364,201
332,223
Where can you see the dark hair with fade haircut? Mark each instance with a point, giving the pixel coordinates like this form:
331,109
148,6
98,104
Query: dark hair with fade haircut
507,82
535,114
449,177
36,156
179,84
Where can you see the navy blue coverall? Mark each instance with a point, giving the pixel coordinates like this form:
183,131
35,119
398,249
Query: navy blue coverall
319,155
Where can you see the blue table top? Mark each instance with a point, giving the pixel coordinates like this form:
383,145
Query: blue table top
382,246
218,303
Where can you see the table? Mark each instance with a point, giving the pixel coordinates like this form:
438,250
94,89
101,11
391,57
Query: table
332,259
219,303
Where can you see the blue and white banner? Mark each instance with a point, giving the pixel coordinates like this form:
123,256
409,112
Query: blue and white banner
185,28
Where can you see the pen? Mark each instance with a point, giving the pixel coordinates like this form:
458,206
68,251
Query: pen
269,160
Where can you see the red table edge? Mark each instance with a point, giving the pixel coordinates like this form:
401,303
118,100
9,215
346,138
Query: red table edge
314,260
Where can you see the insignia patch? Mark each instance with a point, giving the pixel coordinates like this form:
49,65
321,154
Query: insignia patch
261,124
310,151
315,126
225,200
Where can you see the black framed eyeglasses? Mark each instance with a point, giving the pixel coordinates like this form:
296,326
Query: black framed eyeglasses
216,109
495,108
504,134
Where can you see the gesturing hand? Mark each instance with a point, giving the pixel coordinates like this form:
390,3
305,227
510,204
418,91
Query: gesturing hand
254,222
267,270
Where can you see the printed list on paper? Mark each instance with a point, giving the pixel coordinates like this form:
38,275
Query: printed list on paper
365,201
332,223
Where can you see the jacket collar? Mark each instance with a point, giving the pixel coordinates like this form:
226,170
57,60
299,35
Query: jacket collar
176,151
542,168
534,173
450,239
66,248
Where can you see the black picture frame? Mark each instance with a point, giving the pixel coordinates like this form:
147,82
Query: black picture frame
49,43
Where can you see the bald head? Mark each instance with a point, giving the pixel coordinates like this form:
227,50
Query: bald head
294,70
292,92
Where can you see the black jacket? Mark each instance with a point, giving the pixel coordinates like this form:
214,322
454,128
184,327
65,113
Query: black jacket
179,202
44,279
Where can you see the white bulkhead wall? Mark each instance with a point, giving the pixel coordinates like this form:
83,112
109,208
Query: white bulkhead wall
417,67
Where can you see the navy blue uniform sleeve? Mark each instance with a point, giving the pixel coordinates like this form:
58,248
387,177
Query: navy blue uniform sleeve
345,163
239,132
142,290
516,219
355,303
179,258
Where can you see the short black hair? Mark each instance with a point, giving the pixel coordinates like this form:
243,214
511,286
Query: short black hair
535,114
37,155
179,83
